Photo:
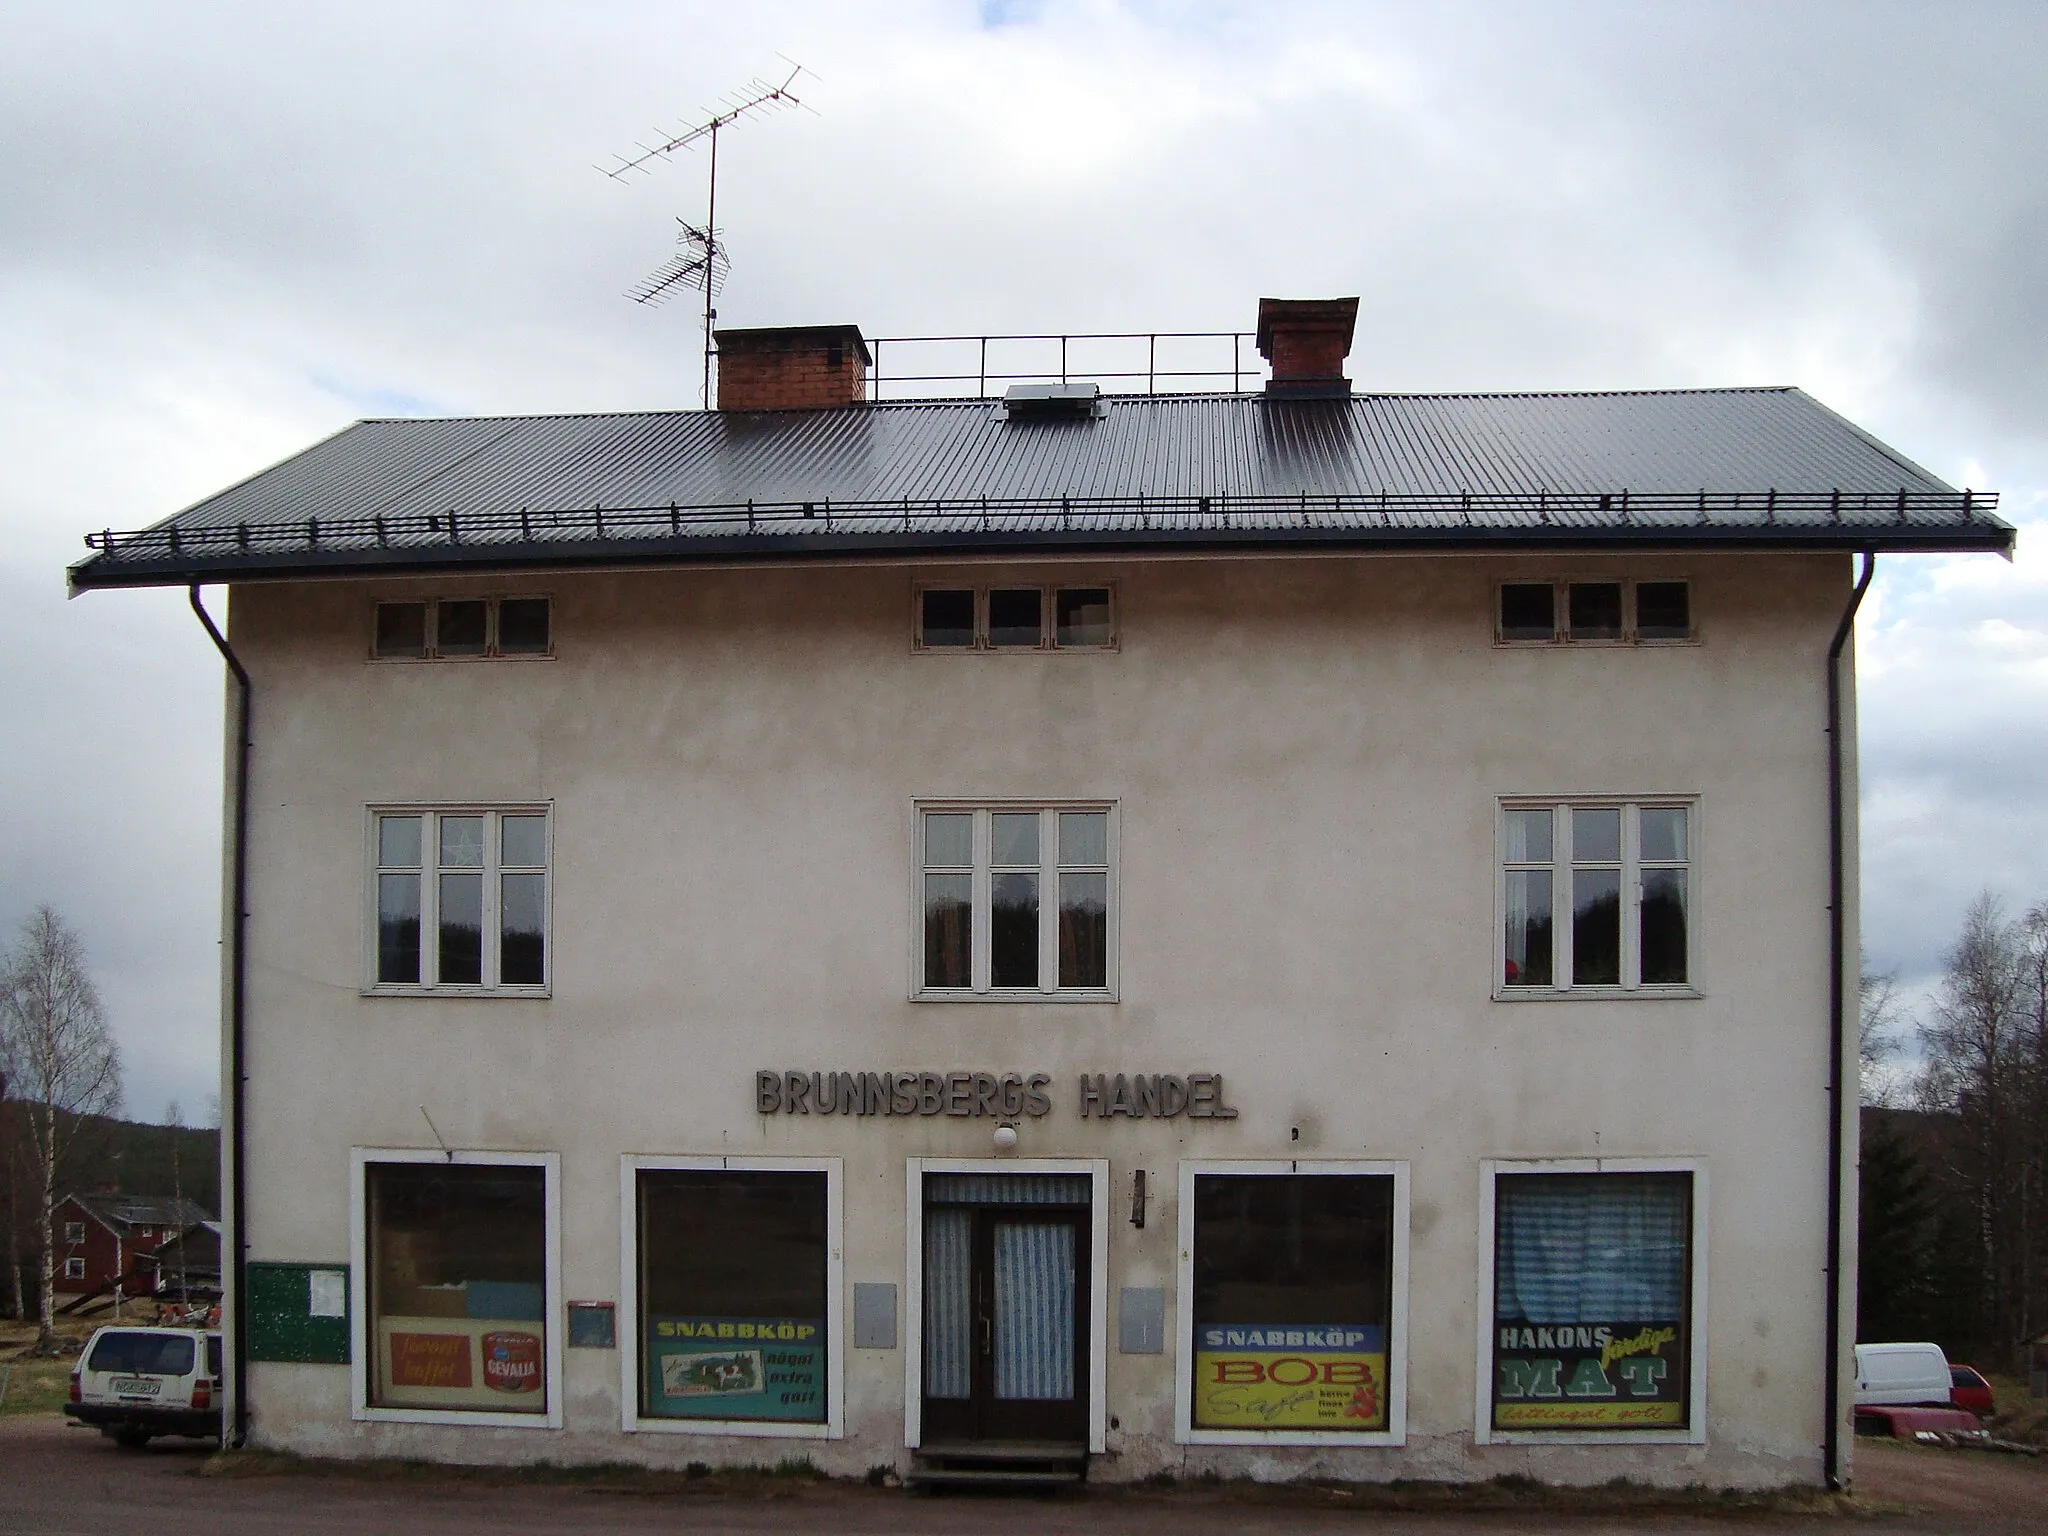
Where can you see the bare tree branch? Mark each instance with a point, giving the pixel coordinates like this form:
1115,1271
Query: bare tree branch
61,1061
1879,1017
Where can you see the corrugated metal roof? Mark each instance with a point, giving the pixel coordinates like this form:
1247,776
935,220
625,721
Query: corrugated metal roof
1734,465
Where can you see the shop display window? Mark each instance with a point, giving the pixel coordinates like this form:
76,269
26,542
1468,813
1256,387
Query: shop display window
1592,1326
1293,1302
733,1284
457,1275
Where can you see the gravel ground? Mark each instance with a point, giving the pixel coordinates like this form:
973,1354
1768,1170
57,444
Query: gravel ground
60,1481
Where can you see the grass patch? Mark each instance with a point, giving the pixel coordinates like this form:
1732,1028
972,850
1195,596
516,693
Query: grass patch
37,1388
2019,1416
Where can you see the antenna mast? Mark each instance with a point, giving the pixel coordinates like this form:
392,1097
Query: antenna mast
702,262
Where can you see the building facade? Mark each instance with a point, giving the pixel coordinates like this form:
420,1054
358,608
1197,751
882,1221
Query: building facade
1281,935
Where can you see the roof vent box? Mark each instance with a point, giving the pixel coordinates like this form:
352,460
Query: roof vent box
1053,402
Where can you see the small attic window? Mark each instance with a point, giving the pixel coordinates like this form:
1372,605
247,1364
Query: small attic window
1663,610
461,627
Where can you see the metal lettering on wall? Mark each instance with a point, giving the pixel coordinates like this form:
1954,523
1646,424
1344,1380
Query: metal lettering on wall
990,1095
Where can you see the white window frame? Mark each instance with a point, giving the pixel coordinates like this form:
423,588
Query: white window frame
1396,1432
74,1231
1049,613
1695,1432
362,1325
1097,1169
74,1269
980,989
1560,631
1560,866
631,1419
490,652
430,899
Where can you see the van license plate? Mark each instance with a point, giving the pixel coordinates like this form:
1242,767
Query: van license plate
135,1386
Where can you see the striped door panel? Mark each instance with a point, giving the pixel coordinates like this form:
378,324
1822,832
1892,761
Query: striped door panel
1034,1313
948,1303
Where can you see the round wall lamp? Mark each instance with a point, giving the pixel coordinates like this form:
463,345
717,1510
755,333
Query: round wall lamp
1006,1138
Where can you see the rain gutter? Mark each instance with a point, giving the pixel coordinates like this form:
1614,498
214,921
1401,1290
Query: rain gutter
235,1274
1839,1108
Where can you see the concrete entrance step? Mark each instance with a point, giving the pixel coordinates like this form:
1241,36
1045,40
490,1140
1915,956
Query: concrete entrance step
1007,1464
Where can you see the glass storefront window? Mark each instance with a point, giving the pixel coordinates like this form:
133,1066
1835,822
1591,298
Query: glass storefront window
458,1286
1591,1315
733,1281
1292,1301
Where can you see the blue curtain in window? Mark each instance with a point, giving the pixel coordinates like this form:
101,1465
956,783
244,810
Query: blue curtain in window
948,1303
1034,1322
1007,1189
1591,1248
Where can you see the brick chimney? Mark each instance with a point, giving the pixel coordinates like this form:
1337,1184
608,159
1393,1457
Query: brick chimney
1306,341
792,368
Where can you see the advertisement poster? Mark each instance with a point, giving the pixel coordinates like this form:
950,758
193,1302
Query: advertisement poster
1290,1376
495,1364
736,1368
1589,1376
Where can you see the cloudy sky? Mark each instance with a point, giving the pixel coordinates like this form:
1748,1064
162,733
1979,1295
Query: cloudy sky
226,230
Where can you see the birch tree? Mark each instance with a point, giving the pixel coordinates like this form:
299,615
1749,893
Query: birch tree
1987,1069
61,1063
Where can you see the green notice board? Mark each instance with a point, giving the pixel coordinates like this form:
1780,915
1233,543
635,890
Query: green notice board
299,1312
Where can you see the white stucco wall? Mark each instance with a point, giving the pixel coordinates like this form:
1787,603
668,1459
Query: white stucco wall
1306,755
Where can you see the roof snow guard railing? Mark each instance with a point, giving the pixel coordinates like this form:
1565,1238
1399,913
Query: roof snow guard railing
1495,513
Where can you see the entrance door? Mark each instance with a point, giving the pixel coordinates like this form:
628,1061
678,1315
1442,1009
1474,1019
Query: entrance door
1006,1308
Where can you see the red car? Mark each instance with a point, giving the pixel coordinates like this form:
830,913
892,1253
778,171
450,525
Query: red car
1968,1389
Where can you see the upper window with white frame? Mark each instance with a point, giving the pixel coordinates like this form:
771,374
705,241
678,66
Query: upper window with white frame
459,900
1621,873
1018,618
1016,901
74,1231
447,628
1593,613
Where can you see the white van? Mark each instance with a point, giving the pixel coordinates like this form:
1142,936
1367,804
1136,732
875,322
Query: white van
1902,1375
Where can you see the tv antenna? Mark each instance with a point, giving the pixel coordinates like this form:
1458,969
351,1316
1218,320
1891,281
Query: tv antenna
701,261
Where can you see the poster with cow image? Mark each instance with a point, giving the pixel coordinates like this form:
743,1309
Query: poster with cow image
736,1368
1626,1375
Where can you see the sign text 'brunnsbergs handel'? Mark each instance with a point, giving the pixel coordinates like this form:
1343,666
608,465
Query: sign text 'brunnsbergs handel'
993,1095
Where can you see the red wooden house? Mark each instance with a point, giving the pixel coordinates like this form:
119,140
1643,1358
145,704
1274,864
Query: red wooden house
99,1239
